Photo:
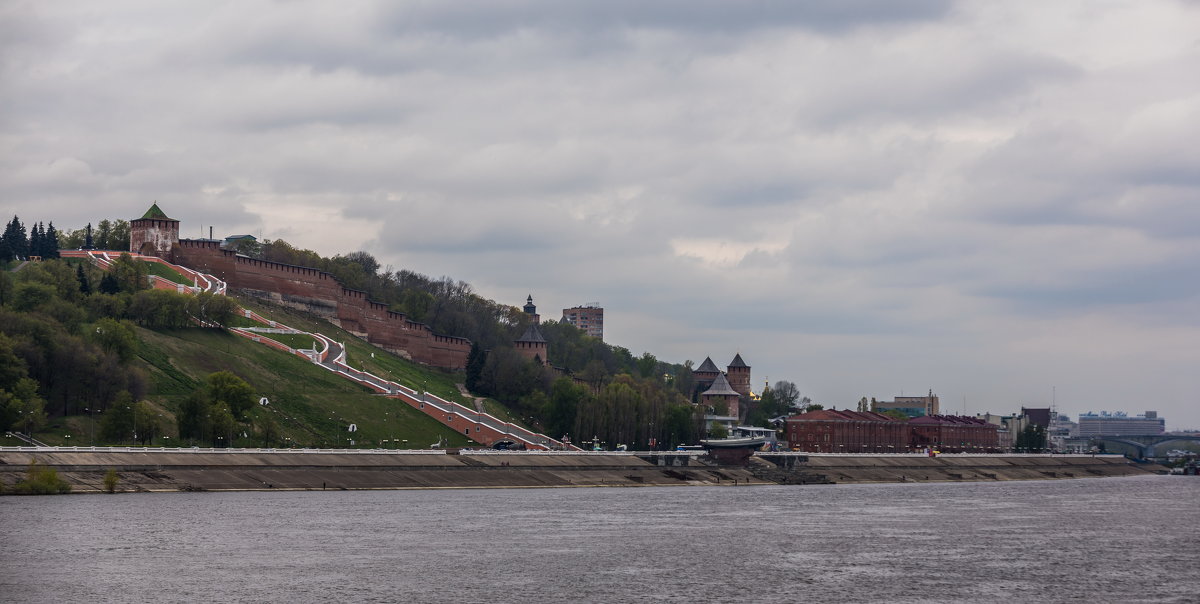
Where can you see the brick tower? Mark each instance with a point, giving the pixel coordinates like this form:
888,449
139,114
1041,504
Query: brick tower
704,376
739,375
154,234
532,345
721,394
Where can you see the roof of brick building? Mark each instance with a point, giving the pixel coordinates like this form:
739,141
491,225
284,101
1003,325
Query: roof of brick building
844,415
721,387
707,366
532,334
155,213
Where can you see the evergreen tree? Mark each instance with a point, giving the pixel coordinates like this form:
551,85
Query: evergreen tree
87,242
84,287
475,361
51,242
108,284
14,236
35,240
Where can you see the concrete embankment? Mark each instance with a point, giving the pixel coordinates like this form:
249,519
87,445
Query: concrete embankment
951,468
253,470
208,470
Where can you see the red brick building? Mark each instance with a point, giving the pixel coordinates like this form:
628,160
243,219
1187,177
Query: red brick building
954,434
832,431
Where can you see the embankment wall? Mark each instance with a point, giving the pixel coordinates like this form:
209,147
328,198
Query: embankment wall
183,471
951,468
175,470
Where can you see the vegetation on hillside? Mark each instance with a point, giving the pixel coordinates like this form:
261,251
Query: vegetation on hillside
589,389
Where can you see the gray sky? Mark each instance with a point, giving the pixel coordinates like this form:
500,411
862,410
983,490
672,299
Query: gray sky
996,201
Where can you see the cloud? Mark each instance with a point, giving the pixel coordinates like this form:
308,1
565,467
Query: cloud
862,197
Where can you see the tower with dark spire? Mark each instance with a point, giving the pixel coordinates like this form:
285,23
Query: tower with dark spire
531,310
721,396
738,373
704,376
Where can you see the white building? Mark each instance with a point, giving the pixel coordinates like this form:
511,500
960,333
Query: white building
1120,424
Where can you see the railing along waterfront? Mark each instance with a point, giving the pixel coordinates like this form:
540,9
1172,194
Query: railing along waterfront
231,450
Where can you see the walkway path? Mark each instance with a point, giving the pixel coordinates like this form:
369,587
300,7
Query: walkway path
331,355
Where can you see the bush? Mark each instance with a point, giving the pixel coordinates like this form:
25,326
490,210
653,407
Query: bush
110,481
41,481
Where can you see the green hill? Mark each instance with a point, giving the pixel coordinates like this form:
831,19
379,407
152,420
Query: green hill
308,406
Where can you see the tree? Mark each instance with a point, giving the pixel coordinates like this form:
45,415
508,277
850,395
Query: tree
131,275
103,231
50,242
223,425
267,430
193,419
475,362
647,365
227,388
22,408
1032,438
147,423
119,237
563,405
33,296
85,286
118,423
117,337
108,284
14,236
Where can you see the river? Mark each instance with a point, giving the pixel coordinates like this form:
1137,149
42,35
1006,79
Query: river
1088,540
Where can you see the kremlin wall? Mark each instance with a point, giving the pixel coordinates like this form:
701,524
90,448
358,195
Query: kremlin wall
302,288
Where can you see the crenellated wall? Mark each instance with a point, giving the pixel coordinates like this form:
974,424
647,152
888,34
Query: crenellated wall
319,292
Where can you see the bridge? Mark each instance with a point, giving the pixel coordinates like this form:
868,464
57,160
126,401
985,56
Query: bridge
1146,447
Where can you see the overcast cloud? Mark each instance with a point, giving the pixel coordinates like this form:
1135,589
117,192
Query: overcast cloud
995,201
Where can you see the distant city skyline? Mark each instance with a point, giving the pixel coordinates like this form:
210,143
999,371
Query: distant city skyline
995,202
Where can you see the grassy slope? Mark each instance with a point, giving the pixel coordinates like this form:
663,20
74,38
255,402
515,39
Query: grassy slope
383,363
167,273
312,406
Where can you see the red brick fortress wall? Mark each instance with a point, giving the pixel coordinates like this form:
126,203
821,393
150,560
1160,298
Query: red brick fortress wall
319,292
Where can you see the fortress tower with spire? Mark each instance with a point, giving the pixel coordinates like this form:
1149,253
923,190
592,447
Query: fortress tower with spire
713,384
154,234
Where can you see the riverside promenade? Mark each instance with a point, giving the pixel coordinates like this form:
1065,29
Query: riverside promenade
169,469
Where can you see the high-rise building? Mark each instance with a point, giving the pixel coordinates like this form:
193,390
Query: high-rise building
588,317
1120,424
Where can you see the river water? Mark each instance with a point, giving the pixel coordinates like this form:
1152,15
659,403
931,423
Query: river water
1088,540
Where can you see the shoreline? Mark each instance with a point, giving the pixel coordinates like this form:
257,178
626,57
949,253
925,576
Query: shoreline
192,470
